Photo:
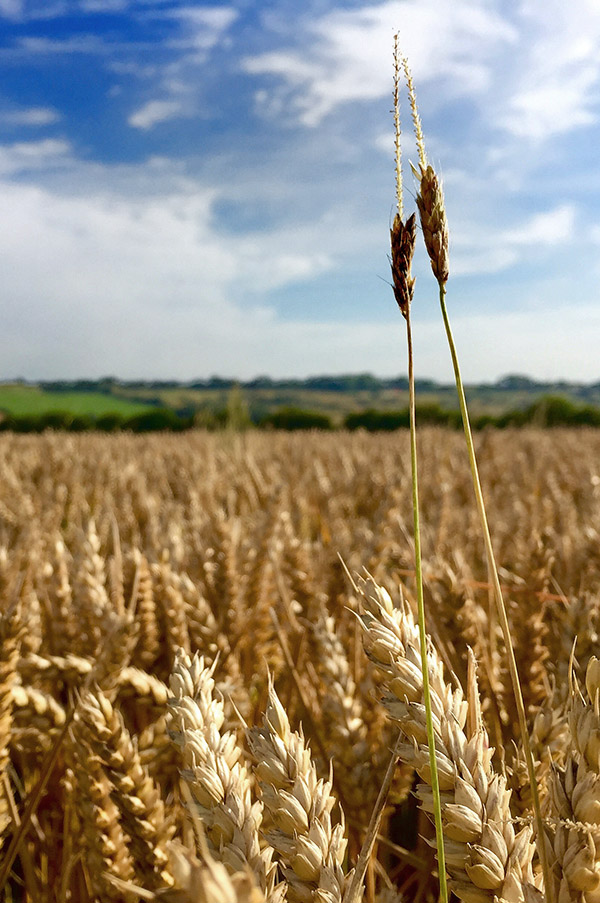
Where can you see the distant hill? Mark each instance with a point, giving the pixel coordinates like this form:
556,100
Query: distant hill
347,382
336,396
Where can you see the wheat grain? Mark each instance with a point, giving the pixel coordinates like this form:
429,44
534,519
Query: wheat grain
484,857
219,782
575,797
138,799
299,805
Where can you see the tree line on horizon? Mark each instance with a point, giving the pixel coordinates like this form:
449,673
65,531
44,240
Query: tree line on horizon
548,411
349,382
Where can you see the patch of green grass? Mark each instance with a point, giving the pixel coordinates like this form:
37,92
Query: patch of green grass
21,401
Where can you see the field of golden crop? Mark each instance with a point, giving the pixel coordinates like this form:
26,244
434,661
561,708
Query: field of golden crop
198,704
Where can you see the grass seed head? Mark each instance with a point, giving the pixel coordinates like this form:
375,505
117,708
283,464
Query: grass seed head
432,210
403,237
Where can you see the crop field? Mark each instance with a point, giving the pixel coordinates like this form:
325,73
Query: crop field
199,703
31,400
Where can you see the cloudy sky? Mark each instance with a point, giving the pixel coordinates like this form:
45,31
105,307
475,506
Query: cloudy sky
192,189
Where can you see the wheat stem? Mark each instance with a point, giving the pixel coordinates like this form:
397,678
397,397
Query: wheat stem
435,786
403,243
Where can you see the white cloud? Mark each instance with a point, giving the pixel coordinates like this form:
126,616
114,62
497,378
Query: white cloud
84,44
543,343
479,261
552,228
11,9
103,6
553,86
550,342
32,11
215,18
532,70
477,251
136,283
154,112
33,155
342,52
550,109
20,10
202,27
283,267
141,283
200,30
34,116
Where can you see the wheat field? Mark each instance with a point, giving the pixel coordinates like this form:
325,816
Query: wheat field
197,702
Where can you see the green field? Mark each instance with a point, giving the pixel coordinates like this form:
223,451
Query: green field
97,398
23,401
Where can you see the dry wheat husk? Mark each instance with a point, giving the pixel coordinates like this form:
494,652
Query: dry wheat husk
206,880
219,782
485,857
142,810
299,804
575,798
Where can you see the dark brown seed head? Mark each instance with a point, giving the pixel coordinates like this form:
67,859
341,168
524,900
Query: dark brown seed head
430,201
403,237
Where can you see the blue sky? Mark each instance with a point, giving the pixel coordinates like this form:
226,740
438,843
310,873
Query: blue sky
193,189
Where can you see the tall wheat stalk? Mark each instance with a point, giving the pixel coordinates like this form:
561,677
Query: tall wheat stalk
403,237
434,223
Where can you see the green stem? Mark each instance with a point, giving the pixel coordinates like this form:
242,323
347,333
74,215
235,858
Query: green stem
501,608
435,785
